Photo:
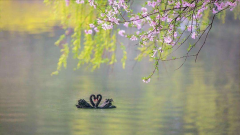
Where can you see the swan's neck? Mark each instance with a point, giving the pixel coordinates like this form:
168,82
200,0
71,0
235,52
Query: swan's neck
91,100
99,100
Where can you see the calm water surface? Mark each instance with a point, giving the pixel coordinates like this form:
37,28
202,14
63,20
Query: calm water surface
199,98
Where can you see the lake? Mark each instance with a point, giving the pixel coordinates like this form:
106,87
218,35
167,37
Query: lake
199,98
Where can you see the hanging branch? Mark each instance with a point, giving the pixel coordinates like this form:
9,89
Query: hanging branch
162,26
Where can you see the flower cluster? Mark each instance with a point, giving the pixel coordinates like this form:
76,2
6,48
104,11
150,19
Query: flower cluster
90,31
157,26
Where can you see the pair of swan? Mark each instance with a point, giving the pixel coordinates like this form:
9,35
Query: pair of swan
106,104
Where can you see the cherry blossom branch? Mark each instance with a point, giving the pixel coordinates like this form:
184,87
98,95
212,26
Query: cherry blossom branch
157,27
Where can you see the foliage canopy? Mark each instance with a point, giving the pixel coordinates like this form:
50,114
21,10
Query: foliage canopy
161,28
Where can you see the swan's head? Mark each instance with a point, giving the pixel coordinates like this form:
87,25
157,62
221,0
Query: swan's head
99,95
94,97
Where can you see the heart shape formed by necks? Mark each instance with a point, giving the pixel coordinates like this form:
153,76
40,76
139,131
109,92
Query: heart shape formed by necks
93,99
97,99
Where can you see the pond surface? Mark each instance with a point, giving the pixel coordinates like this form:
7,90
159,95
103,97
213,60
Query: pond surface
199,98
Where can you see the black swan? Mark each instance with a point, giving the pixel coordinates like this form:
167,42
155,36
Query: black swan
84,104
107,104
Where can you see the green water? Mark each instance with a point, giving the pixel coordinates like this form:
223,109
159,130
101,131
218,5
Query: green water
199,98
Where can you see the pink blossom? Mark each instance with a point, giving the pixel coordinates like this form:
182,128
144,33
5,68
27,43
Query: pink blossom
88,31
157,17
144,14
139,26
189,27
105,26
160,49
114,20
175,34
91,3
96,29
133,38
192,5
201,10
214,11
146,80
152,3
79,2
168,40
91,25
219,7
185,4
173,43
110,2
152,23
149,3
148,18
154,53
193,35
99,21
121,32
102,14
163,18
171,26
169,19
144,9
233,5
115,10
177,5
230,3
170,2
126,24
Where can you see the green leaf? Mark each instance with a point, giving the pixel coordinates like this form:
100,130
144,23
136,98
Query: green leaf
189,47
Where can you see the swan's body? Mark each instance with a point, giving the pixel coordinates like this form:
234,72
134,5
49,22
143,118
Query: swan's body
107,104
83,104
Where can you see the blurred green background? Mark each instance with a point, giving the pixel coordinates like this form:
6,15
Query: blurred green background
199,98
